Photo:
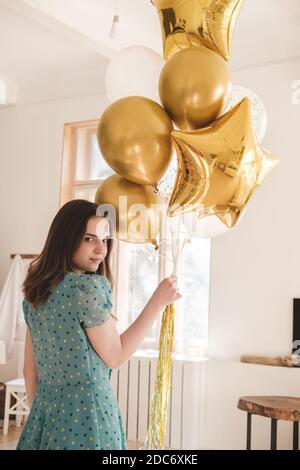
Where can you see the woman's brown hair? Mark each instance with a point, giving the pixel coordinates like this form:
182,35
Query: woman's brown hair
65,235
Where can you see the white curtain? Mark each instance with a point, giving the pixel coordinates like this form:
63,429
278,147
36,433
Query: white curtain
12,323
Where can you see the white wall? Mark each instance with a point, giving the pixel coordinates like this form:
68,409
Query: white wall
31,138
255,273
255,269
31,142
225,424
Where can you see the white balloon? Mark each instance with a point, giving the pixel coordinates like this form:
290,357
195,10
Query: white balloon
134,71
259,113
207,227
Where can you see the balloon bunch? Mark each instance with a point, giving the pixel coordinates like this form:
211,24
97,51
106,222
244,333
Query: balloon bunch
220,160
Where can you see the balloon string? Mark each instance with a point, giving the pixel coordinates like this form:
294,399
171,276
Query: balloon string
176,247
158,413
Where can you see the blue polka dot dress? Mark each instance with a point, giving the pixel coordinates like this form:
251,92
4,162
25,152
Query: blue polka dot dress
75,406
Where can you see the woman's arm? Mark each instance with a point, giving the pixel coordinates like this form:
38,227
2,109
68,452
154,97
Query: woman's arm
115,349
30,370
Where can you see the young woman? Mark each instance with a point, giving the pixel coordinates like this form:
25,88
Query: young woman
72,343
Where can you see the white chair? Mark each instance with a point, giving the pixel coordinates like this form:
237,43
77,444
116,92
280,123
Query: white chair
16,388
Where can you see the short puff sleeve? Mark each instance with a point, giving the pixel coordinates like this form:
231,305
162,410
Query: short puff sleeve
92,299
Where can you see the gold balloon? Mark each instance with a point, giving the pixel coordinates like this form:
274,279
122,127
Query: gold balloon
187,23
194,87
220,166
134,136
192,180
137,211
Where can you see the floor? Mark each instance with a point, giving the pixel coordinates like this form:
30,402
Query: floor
9,441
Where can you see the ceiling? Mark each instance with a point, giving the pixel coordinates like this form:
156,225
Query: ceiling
267,30
70,38
46,65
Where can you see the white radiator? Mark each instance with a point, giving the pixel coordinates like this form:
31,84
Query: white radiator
133,384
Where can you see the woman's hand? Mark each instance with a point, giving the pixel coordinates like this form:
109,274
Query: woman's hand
115,349
166,292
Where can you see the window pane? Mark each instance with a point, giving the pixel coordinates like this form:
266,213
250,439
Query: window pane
86,193
90,164
99,167
81,154
192,309
143,280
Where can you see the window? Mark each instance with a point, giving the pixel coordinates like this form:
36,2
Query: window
137,268
83,167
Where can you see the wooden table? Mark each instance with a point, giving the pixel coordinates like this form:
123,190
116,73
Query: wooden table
275,408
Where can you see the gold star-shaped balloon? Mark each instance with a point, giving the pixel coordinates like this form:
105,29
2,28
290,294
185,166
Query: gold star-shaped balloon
187,23
220,166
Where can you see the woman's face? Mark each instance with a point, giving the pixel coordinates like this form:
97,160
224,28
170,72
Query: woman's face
93,247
